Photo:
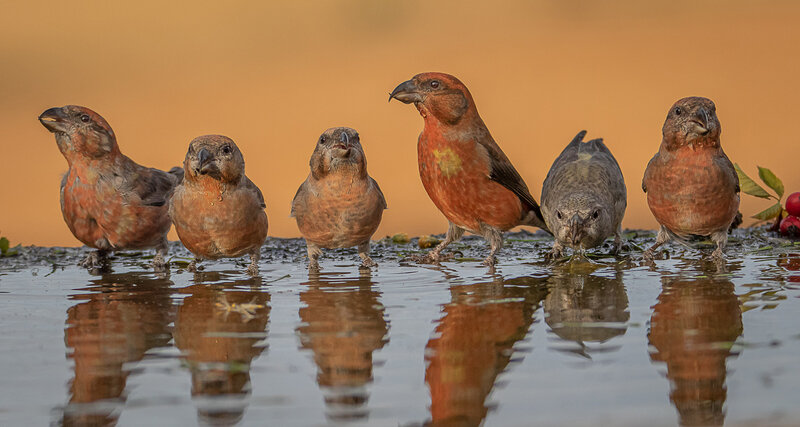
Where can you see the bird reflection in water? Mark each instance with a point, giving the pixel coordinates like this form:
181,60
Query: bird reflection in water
582,307
343,322
473,343
692,329
116,321
219,329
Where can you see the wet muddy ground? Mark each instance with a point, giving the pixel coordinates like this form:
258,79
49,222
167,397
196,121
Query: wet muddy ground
589,341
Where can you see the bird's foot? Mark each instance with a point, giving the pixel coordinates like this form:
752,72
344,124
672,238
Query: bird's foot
718,255
432,257
313,266
192,267
93,260
252,269
368,263
490,261
159,265
553,255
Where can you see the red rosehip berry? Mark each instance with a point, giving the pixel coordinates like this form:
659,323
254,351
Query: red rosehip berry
790,226
793,204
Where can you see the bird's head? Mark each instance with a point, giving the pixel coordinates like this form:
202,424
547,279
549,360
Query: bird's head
436,95
338,149
692,121
579,221
79,131
216,157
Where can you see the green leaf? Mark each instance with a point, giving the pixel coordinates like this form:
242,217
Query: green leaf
771,180
3,245
748,186
769,213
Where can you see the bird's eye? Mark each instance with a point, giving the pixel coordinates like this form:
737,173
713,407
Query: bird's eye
85,118
558,214
322,139
595,214
678,111
226,149
434,84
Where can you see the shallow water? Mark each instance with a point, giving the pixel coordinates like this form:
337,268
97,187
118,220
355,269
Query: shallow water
602,342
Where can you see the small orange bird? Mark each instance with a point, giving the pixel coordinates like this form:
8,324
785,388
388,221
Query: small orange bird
464,171
108,201
217,211
692,187
339,205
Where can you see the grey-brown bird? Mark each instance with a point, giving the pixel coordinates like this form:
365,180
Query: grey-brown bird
691,185
463,169
339,205
108,201
217,211
584,196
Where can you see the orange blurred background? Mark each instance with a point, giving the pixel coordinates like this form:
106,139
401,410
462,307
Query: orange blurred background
274,75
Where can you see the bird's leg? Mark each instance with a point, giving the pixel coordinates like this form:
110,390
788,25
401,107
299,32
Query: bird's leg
721,239
363,252
454,233
617,241
495,238
313,256
252,269
661,238
159,264
193,265
556,252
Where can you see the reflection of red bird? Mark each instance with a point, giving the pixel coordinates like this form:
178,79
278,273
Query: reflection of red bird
217,211
464,171
691,185
108,201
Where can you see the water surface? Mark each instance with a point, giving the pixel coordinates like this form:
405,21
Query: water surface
603,342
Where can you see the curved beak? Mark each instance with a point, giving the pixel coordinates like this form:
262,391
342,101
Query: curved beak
701,121
54,119
203,158
575,229
406,93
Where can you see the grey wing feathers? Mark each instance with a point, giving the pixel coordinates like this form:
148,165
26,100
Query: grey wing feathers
252,187
377,187
155,186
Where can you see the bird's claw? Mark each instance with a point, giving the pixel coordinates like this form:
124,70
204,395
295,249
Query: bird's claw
252,269
490,261
432,258
368,263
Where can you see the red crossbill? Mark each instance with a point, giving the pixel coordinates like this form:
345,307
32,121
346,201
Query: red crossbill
339,205
217,211
463,170
109,202
691,185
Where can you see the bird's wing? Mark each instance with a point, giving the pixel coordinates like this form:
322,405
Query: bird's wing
294,199
153,186
729,172
253,188
380,193
503,172
647,172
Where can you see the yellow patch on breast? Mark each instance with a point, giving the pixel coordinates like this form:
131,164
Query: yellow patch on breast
584,156
448,161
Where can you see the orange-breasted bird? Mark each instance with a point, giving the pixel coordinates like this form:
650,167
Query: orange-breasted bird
463,170
339,205
691,185
217,211
108,201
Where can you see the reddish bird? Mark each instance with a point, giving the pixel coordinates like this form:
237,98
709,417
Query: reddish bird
339,205
464,171
217,211
692,187
108,201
